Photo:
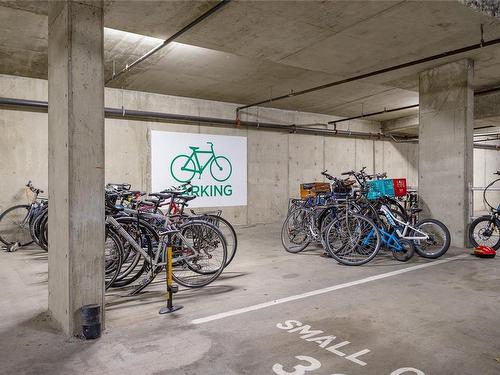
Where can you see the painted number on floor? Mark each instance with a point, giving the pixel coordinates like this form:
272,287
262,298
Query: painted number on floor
312,364
328,342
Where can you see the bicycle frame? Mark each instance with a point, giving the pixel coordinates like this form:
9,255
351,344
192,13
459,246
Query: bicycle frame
153,261
198,167
396,223
33,206
390,240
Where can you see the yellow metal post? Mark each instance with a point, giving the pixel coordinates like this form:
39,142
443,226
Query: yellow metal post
169,275
170,287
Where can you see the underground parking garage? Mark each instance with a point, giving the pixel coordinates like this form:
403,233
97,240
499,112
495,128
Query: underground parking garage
249,187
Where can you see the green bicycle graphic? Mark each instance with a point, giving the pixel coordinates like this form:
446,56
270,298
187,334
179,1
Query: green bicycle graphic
184,167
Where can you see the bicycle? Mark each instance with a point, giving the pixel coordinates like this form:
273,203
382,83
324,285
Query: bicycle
220,166
307,219
194,243
430,238
176,200
15,221
485,230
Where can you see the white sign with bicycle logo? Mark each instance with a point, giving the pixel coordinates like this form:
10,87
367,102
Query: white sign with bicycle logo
216,165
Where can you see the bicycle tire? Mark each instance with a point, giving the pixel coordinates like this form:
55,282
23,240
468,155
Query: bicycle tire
112,270
231,248
357,246
421,249
193,266
135,270
4,216
43,231
476,239
407,253
285,232
33,227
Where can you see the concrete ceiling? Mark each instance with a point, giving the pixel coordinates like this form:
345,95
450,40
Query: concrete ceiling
251,50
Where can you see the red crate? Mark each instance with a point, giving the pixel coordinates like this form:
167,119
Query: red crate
399,187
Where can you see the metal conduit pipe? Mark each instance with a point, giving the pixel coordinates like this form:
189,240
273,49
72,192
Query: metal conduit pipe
374,114
487,147
496,138
127,114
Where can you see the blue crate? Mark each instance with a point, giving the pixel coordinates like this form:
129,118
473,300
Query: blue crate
381,188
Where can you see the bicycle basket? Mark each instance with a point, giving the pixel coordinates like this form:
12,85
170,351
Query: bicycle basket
312,189
380,188
400,189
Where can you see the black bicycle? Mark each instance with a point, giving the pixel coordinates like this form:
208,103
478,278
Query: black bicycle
485,230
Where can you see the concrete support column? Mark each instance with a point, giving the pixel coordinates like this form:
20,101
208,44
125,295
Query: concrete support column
76,160
446,145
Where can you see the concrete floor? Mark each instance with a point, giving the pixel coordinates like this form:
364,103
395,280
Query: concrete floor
439,319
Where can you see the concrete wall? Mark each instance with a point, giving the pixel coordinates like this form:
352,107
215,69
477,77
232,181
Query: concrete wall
277,162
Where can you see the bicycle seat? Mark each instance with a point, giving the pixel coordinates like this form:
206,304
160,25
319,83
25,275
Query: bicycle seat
348,182
415,210
161,195
194,148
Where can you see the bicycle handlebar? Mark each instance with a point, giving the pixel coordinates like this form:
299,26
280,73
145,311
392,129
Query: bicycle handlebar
327,175
29,185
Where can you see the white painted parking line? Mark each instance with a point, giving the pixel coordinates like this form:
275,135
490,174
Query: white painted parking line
323,290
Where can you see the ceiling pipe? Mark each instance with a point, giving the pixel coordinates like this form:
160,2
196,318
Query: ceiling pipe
169,40
496,138
136,115
487,147
374,113
375,73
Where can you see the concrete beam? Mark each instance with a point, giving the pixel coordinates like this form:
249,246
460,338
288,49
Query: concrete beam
486,109
446,145
487,105
76,160
407,124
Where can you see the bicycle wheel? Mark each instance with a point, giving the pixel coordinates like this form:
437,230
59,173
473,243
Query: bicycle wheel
14,226
484,231
229,235
34,222
326,218
199,254
397,209
43,232
113,257
134,265
438,242
353,240
221,168
407,251
295,232
177,165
